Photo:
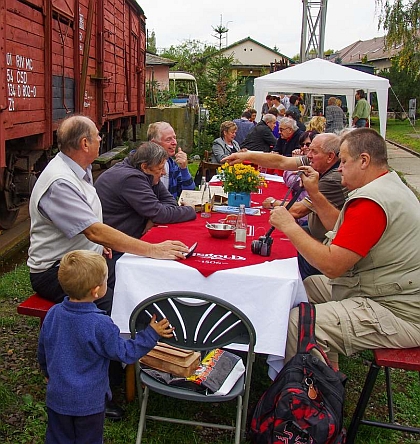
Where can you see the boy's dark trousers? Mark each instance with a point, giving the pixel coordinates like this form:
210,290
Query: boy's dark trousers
65,429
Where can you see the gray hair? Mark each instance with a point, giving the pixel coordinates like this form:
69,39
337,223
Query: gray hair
290,123
330,143
367,140
154,130
149,153
269,118
72,130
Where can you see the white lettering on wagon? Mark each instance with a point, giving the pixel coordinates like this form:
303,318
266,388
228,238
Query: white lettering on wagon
18,79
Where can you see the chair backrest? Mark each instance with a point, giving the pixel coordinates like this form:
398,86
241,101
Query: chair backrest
201,321
208,168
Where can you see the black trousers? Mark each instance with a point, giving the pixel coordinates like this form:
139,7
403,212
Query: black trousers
46,284
65,429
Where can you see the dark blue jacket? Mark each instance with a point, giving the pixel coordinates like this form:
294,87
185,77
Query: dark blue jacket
76,343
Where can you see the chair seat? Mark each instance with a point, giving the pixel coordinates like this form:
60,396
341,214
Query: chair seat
404,358
184,393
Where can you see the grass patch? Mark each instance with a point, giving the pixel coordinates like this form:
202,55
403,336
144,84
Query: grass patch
403,133
22,390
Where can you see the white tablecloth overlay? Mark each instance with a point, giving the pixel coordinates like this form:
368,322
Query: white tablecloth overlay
265,293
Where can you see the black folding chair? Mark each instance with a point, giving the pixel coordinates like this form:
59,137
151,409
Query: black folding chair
202,322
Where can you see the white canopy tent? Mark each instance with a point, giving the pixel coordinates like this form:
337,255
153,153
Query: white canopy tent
319,76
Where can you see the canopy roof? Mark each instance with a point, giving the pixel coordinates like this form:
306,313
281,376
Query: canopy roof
322,77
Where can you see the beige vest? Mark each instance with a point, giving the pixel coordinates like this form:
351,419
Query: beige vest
392,267
48,243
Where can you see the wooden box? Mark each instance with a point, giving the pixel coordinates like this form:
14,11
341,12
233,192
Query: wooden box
172,360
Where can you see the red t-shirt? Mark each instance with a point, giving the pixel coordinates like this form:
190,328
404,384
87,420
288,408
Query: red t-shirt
363,225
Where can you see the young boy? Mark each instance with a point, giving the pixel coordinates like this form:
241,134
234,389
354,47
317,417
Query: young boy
76,343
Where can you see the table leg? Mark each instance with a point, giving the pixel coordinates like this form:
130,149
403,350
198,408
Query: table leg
130,383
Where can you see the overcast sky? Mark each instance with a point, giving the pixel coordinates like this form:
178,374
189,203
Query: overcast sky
276,23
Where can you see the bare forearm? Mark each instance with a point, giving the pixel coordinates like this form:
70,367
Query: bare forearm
109,237
320,256
332,260
267,160
299,210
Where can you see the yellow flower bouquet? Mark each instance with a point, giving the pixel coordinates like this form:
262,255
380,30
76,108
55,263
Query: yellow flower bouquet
240,178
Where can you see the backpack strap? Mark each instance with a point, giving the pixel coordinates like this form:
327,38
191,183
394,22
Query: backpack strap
306,337
306,334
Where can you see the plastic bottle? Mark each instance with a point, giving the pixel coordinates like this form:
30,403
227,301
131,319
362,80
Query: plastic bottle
240,229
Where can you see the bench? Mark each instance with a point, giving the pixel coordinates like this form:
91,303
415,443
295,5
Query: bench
405,359
105,159
35,306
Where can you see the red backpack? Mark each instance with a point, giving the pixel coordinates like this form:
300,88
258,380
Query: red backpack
304,404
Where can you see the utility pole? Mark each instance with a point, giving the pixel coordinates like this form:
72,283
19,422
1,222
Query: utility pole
313,29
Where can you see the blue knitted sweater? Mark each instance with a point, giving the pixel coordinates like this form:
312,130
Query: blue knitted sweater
76,343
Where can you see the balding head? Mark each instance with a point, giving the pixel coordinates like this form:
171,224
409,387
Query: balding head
71,132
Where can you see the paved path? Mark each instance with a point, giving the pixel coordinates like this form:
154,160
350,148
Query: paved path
407,164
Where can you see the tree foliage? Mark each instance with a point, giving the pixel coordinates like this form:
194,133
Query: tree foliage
404,86
401,20
220,93
151,42
218,90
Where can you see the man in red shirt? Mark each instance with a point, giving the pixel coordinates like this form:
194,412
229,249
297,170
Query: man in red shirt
369,293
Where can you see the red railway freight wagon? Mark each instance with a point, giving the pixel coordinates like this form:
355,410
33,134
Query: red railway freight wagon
60,57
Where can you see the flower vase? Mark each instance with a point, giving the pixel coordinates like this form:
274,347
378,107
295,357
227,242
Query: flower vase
235,199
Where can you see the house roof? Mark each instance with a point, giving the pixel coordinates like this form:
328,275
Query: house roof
153,59
249,39
370,50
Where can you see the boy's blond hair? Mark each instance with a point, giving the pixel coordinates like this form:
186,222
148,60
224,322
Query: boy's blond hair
80,271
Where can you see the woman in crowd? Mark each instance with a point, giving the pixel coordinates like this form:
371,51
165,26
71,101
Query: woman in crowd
317,123
225,144
290,177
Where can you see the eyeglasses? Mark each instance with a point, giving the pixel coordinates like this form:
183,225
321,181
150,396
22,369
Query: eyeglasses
307,144
284,129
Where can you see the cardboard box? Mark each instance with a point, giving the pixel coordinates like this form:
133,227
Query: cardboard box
172,360
213,194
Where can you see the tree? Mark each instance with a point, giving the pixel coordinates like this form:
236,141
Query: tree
404,87
220,93
191,56
151,42
401,20
220,31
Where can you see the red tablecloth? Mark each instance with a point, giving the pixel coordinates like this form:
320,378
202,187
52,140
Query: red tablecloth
218,254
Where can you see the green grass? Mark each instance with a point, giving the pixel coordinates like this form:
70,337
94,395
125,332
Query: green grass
22,390
403,133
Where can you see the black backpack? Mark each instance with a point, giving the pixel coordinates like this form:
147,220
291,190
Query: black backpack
304,404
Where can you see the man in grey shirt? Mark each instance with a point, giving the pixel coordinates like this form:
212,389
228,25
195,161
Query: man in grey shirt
66,213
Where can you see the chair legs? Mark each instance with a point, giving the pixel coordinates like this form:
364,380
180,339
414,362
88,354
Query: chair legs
357,418
362,403
142,418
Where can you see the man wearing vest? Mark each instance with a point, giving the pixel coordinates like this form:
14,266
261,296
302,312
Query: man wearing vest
66,215
369,295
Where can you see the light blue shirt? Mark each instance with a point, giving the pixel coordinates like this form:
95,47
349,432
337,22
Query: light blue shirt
65,206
